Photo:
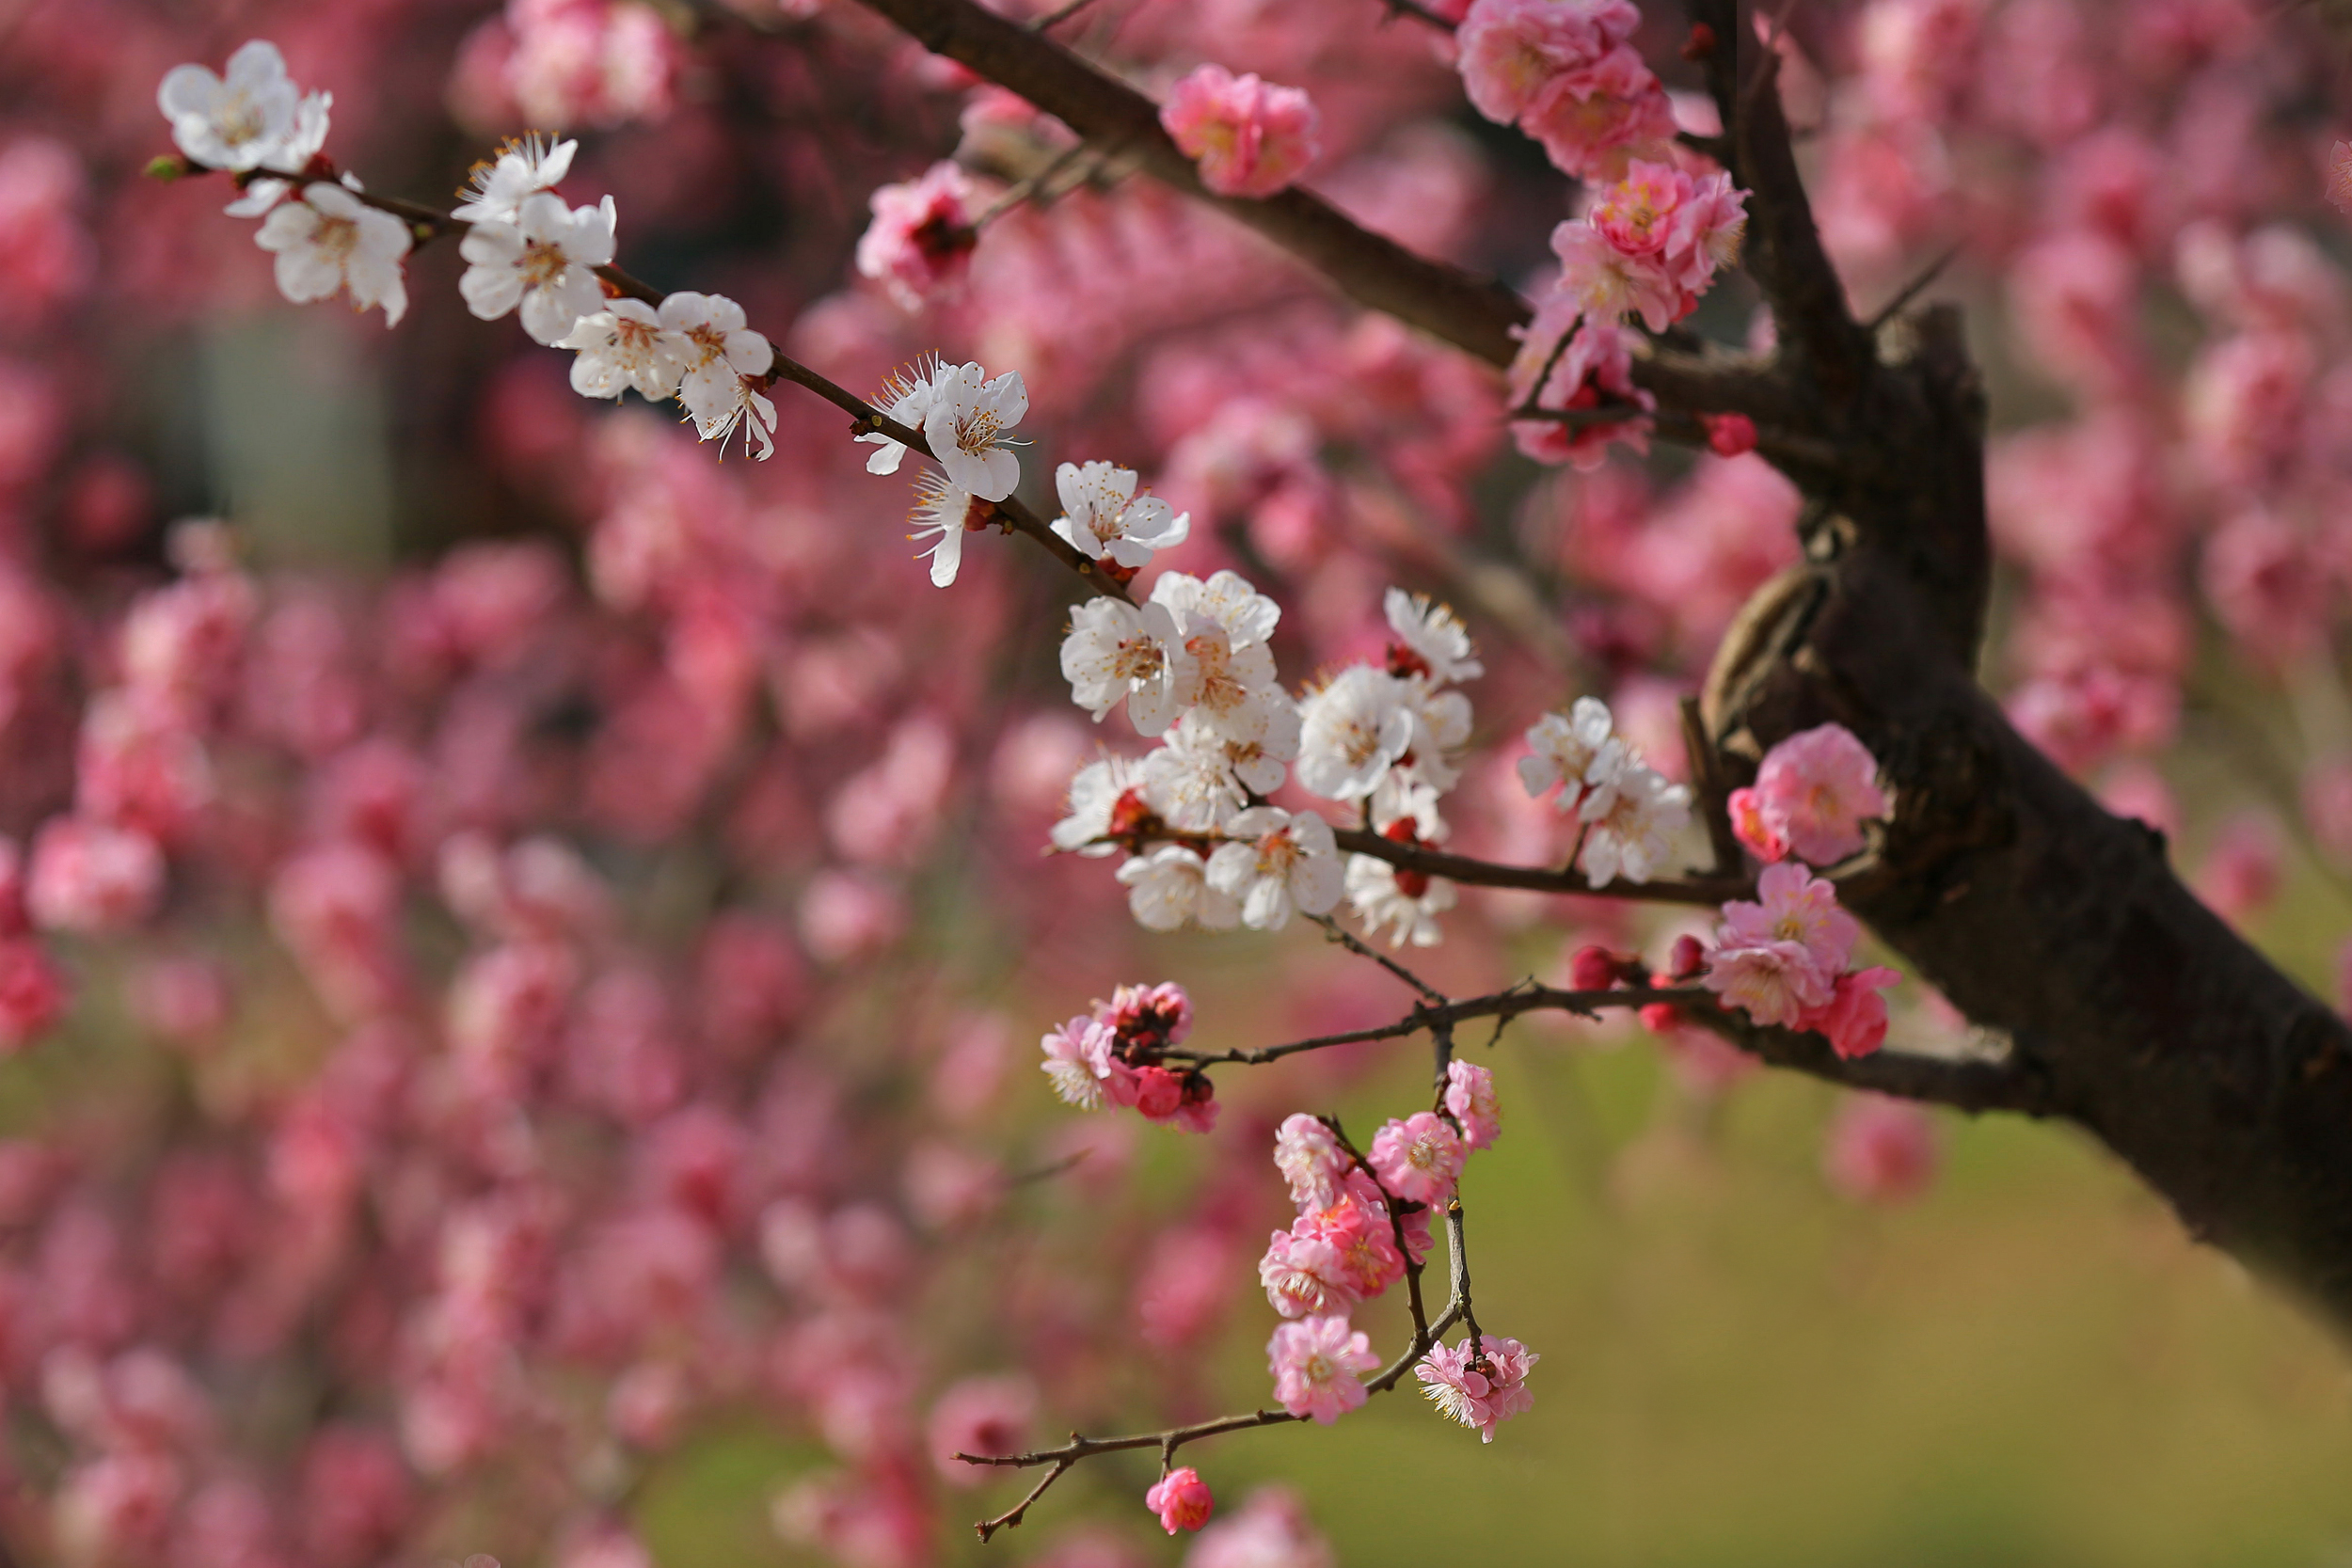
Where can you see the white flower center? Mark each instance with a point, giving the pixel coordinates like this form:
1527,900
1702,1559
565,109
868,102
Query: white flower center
240,119
1139,658
336,238
1277,853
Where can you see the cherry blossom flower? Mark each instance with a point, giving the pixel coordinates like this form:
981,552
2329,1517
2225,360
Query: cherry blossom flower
294,155
1072,1054
1779,959
237,121
965,422
520,168
1854,1018
1276,863
330,240
1304,1274
947,509
1117,650
1419,1159
1318,1366
717,349
1562,747
1430,640
1101,515
1592,120
1357,1226
1351,728
1250,137
1879,1149
1479,1390
1247,616
1593,362
919,244
1812,794
1181,1499
1224,623
1469,1098
1106,798
1407,900
1169,888
1632,815
544,261
1509,50
906,398
1308,1155
1608,284
626,345
1194,781
1270,1530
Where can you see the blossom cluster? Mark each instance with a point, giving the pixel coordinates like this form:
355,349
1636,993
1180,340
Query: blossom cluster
1784,960
1250,137
1565,71
1114,1055
1629,812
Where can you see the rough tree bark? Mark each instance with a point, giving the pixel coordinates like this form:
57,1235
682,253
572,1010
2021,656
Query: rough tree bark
2131,1009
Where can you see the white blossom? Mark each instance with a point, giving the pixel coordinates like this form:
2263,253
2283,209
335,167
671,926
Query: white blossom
1263,763
1227,598
330,240
1095,793
1403,794
1441,724
1170,887
1380,898
1351,730
944,508
1276,863
1434,635
521,168
237,121
625,345
545,261
966,423
752,411
1633,813
1115,650
305,142
1101,515
1189,781
719,349
1562,748
906,398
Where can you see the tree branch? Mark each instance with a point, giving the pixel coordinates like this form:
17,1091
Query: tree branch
1704,893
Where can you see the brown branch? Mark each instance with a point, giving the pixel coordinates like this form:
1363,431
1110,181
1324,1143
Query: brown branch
1477,873
1530,998
1355,945
1011,1516
1474,314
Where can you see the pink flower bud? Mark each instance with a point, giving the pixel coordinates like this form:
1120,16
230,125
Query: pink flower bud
1181,1500
1594,969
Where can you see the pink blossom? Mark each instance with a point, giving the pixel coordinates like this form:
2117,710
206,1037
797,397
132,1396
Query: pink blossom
1881,1150
1797,906
921,240
1813,792
1250,137
1608,284
1511,50
1182,1500
1772,982
1318,1366
1419,1159
1308,1155
1592,121
1358,1229
1480,1388
1854,1018
89,878
1469,1098
1753,828
1304,1274
1596,366
1150,1016
984,1415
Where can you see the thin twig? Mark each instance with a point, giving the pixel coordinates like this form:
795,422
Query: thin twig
429,223
1477,873
1911,291
1505,1005
1355,945
1011,1516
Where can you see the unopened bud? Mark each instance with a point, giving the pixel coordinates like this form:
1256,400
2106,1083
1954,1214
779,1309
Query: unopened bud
171,166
